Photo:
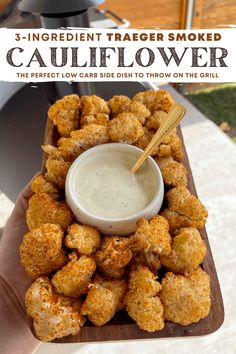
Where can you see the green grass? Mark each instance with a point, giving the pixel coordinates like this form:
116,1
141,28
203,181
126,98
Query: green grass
217,103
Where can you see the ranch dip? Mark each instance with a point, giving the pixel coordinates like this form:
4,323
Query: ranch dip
105,187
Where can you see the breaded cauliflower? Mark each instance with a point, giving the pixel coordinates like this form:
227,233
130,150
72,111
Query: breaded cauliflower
92,105
146,259
117,286
99,119
155,100
142,302
163,101
56,167
73,279
125,128
40,185
41,250
147,98
174,173
188,251
184,209
186,299
64,114
83,139
119,104
99,305
170,146
154,122
84,238
54,316
143,142
44,209
139,110
113,256
152,236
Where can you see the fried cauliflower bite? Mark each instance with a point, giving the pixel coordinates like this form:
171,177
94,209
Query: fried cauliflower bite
142,302
170,146
184,209
44,209
146,259
64,114
117,286
119,104
92,105
73,279
188,251
56,167
139,110
85,239
163,101
147,98
99,119
186,299
152,236
125,128
40,185
174,173
155,100
41,250
113,256
143,142
99,305
54,316
155,120
83,139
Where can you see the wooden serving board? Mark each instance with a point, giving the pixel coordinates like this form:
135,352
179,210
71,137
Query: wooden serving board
122,327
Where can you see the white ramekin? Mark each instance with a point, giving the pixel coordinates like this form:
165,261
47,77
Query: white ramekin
122,226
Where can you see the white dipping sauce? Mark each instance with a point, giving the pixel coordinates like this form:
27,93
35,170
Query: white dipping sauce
105,187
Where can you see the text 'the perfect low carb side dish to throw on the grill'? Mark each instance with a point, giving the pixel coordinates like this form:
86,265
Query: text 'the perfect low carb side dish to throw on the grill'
78,274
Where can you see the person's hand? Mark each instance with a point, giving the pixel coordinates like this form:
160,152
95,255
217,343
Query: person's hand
15,334
10,266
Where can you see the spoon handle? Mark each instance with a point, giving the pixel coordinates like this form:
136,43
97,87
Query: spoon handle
174,117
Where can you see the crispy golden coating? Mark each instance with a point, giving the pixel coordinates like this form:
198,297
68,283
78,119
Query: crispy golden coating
139,110
119,104
54,315
113,256
174,173
163,101
41,250
152,236
142,302
125,128
93,104
83,139
84,238
155,100
99,118
184,209
64,114
155,120
143,142
99,305
186,299
170,146
147,98
188,251
117,286
40,185
146,259
73,279
56,166
44,209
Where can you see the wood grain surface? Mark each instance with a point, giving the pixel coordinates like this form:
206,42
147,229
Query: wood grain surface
122,327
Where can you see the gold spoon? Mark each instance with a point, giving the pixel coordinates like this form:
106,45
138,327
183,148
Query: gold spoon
174,117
